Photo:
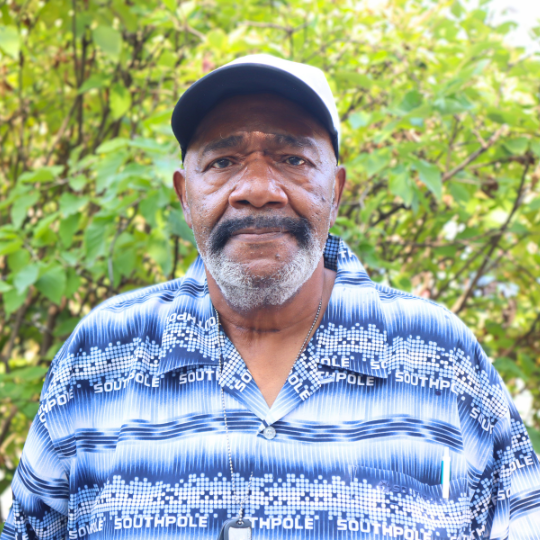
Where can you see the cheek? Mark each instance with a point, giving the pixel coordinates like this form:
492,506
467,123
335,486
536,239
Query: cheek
206,207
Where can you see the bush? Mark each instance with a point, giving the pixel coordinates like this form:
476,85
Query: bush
440,122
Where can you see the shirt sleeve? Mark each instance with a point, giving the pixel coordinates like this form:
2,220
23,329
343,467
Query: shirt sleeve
41,482
504,469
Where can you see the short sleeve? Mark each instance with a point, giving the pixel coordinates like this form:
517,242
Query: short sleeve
504,471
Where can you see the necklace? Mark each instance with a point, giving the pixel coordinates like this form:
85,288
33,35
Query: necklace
239,528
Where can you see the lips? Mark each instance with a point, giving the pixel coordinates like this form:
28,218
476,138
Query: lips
258,231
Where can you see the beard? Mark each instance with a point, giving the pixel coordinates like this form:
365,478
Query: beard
242,290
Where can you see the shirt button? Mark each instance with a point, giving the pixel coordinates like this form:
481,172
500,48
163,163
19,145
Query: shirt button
269,432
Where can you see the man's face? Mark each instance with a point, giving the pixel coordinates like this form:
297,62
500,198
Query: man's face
259,191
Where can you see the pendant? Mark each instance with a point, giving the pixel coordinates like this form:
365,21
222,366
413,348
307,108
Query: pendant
236,529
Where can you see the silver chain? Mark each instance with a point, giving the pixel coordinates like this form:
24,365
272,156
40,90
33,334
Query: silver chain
221,347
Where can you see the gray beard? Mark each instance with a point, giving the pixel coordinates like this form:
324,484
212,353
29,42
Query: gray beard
245,293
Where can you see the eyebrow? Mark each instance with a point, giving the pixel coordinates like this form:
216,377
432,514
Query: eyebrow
278,138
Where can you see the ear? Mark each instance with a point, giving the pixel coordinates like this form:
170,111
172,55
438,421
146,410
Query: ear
339,186
179,182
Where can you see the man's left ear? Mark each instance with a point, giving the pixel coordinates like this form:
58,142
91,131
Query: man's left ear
179,182
339,186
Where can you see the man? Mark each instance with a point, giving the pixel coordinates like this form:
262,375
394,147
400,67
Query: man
274,391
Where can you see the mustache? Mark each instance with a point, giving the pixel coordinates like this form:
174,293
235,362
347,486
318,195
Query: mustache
300,228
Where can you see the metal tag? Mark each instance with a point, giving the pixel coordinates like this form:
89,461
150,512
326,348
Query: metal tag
234,529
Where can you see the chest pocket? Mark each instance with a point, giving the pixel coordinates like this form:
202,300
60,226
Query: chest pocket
396,505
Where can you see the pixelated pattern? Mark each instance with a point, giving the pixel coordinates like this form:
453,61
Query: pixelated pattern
130,438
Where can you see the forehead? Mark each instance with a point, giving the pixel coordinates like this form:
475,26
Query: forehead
263,113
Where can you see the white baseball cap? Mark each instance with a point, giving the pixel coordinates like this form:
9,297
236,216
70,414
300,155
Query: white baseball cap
257,73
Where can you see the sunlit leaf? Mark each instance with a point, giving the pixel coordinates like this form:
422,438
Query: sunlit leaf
120,101
25,277
108,40
10,41
430,175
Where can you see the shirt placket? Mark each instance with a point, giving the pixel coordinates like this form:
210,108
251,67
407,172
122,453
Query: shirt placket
302,382
237,381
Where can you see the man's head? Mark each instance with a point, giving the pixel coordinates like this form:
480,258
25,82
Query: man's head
260,189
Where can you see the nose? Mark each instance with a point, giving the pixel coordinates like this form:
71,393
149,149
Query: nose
257,186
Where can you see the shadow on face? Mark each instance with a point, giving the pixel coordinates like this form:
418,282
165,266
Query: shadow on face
260,177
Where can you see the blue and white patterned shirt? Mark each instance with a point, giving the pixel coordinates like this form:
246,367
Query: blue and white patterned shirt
129,441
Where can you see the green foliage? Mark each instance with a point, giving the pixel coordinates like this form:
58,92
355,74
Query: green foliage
440,138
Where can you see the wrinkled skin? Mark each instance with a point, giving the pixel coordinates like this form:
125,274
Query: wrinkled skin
262,155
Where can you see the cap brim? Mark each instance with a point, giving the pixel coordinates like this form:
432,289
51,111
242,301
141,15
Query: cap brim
236,79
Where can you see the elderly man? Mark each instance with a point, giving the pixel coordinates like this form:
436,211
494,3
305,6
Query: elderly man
274,391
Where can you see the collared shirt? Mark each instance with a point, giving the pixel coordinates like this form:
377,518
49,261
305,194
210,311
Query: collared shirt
129,441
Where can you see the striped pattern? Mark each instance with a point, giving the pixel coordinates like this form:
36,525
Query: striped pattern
129,440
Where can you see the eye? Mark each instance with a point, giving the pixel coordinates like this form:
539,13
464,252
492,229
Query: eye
221,163
295,161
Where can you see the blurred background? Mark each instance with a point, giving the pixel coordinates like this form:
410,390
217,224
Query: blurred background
439,102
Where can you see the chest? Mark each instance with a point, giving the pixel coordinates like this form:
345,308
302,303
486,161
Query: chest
361,456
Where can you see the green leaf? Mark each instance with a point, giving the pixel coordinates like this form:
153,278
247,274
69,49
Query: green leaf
73,282
112,145
171,5
94,239
13,300
351,79
108,40
25,277
459,192
159,249
52,284
66,327
21,206
179,227
430,175
98,80
10,41
411,101
30,409
535,147
508,368
18,260
6,248
76,183
399,183
4,287
359,119
44,174
376,161
68,227
120,101
71,204
518,145
534,435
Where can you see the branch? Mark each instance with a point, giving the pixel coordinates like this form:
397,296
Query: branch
522,338
14,331
483,148
119,231
461,303
7,424
61,131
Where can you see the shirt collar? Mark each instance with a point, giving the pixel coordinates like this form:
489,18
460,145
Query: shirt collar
352,334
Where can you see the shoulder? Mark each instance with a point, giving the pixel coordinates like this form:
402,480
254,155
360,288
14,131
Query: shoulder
405,312
104,337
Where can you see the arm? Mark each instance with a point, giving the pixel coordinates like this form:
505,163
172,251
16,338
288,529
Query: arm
504,470
41,482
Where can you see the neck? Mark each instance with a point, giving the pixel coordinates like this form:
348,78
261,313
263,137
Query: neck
269,338
286,318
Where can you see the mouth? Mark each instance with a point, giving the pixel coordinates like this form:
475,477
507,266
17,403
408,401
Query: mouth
254,233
